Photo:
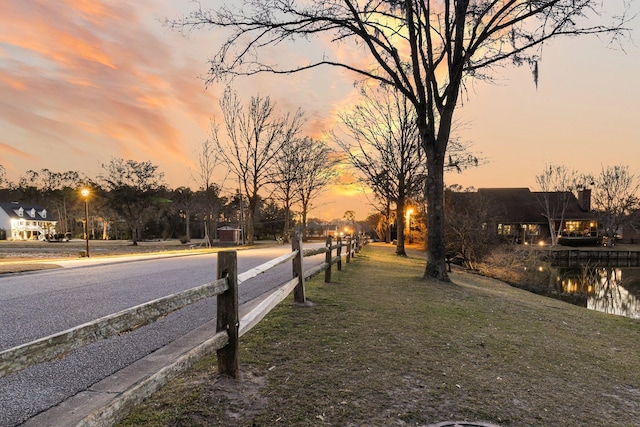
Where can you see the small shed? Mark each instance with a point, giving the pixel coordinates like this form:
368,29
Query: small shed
229,234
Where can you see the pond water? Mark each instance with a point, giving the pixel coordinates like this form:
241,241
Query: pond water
613,290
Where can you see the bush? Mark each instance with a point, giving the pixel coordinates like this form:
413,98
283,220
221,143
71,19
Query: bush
520,266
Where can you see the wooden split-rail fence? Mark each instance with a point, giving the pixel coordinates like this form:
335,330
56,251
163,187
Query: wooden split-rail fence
229,327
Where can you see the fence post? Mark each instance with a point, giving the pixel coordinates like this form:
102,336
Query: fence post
354,244
358,243
339,252
348,249
298,270
327,259
227,314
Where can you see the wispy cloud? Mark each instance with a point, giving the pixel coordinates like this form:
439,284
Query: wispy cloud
7,149
96,79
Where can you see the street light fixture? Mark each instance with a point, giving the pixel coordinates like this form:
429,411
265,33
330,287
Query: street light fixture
85,193
409,212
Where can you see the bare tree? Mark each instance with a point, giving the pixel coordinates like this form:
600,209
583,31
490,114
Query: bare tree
427,50
254,138
208,160
558,185
184,200
287,166
382,144
207,163
377,223
467,233
615,197
316,172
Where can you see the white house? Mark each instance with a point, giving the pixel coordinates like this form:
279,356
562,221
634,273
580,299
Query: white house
20,221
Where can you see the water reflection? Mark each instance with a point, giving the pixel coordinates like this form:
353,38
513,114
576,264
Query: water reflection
613,290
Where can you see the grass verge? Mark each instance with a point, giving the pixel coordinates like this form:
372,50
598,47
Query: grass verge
383,347
23,267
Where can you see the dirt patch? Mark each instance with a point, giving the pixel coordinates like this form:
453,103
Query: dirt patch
241,397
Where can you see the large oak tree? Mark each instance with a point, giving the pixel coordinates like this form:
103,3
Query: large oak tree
426,49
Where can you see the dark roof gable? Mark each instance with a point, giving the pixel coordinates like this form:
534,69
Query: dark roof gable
520,205
17,210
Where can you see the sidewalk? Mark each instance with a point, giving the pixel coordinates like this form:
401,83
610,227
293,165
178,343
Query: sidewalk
83,262
17,265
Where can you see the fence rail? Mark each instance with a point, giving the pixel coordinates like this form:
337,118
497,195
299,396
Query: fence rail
60,344
228,326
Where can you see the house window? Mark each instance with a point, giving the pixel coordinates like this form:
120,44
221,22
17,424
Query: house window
20,212
505,229
577,228
43,213
32,213
532,229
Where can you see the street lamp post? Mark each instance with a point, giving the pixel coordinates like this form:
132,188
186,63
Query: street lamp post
85,193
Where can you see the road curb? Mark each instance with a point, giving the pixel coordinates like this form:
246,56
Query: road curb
111,399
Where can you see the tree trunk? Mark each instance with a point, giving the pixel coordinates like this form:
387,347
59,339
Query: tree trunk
214,219
552,231
436,249
287,224
388,233
304,223
253,207
187,228
134,236
400,226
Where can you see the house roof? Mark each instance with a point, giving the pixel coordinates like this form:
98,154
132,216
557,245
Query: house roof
16,210
520,205
513,204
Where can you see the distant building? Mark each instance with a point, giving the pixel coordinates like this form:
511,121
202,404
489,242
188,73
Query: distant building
518,214
20,221
229,234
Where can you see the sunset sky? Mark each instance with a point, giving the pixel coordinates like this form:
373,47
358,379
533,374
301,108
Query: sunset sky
83,81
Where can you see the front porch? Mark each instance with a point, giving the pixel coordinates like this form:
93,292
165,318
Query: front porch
22,229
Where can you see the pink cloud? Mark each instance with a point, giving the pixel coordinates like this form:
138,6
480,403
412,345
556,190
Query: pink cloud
92,77
8,149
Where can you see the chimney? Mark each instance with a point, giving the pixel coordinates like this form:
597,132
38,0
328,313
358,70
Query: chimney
584,200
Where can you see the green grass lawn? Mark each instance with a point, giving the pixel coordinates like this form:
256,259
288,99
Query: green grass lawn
384,347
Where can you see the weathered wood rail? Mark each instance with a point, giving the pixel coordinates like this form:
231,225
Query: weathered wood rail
229,327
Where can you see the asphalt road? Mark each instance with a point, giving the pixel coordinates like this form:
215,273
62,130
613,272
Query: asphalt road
38,304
